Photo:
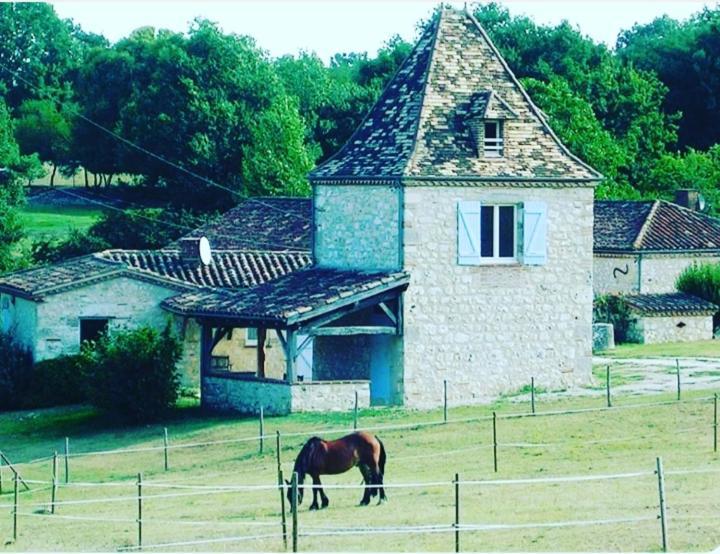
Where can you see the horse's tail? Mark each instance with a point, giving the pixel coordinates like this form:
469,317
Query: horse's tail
383,457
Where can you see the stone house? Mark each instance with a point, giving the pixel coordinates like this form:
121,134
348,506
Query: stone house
641,248
51,310
452,240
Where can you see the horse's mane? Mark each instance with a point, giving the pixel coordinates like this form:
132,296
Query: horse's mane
303,458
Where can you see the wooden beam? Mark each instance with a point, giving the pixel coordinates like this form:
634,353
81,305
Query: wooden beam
219,335
400,308
353,330
206,348
261,336
388,312
326,318
304,344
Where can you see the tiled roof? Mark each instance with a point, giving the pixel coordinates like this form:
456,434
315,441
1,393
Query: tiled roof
668,304
421,125
652,226
296,295
234,269
267,223
229,269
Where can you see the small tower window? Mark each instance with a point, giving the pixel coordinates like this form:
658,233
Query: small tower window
493,139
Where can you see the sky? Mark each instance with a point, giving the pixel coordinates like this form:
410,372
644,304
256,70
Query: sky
327,27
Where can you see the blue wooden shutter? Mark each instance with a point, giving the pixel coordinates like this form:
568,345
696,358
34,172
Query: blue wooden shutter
535,233
468,232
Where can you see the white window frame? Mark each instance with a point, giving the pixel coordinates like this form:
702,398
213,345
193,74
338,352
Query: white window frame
251,341
495,258
494,147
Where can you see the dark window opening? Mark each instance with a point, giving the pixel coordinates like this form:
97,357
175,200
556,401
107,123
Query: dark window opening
507,232
487,223
493,140
92,329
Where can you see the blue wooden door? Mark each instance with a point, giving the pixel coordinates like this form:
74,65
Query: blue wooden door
380,383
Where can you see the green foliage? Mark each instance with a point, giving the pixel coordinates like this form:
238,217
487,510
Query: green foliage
15,373
58,381
131,374
76,244
702,280
613,309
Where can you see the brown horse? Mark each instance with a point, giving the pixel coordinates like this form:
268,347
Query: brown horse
320,457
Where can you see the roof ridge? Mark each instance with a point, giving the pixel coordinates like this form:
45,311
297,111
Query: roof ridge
637,243
533,107
428,69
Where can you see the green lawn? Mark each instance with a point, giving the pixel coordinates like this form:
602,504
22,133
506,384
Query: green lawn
56,222
704,348
611,441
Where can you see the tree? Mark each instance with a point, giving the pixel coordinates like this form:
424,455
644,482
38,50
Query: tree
43,129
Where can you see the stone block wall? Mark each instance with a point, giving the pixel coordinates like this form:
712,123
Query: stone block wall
488,329
615,274
245,395
659,272
652,330
357,227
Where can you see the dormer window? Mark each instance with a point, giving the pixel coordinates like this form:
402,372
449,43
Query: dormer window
493,139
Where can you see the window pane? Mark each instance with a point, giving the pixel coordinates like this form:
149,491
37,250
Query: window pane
491,130
507,231
487,217
251,333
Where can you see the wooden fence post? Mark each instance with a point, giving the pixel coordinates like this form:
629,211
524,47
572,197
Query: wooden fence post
67,460
281,487
661,494
457,512
165,442
277,451
262,429
607,387
355,412
53,494
495,444
16,495
715,421
139,509
445,405
294,512
532,395
677,365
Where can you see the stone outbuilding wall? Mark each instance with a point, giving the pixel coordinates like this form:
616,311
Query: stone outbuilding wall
657,329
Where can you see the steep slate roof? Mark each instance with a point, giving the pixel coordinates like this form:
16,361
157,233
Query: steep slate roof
652,226
298,295
265,223
419,128
676,303
234,269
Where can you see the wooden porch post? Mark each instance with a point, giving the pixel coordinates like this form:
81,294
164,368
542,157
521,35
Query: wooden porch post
290,355
206,347
261,336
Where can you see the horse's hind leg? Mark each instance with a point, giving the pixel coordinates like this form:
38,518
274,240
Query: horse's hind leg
380,480
367,477
323,497
316,481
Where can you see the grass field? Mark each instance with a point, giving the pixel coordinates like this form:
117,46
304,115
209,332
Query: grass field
613,441
56,222
703,348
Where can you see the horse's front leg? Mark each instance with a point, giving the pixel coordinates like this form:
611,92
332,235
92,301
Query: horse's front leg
323,496
316,481
365,470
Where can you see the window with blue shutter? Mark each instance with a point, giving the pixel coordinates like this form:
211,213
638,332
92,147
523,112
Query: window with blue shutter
468,232
535,233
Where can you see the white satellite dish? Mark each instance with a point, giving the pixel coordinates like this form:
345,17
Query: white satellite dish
701,203
205,251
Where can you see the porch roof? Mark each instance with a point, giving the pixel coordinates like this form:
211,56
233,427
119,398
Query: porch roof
300,296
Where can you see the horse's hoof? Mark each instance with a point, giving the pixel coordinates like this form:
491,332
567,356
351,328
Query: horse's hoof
382,501
313,507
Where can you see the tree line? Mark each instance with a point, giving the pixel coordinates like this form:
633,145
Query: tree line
205,118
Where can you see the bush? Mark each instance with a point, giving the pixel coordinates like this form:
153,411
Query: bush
613,309
132,376
15,373
702,280
58,381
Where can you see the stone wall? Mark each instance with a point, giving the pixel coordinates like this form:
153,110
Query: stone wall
342,358
659,272
246,394
357,227
615,274
488,329
651,330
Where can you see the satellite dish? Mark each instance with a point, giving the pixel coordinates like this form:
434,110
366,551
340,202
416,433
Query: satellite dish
701,203
205,251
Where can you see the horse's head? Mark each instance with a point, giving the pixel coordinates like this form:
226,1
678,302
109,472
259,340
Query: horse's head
289,493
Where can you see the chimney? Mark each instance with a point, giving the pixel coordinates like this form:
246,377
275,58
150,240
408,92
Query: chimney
688,198
195,251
